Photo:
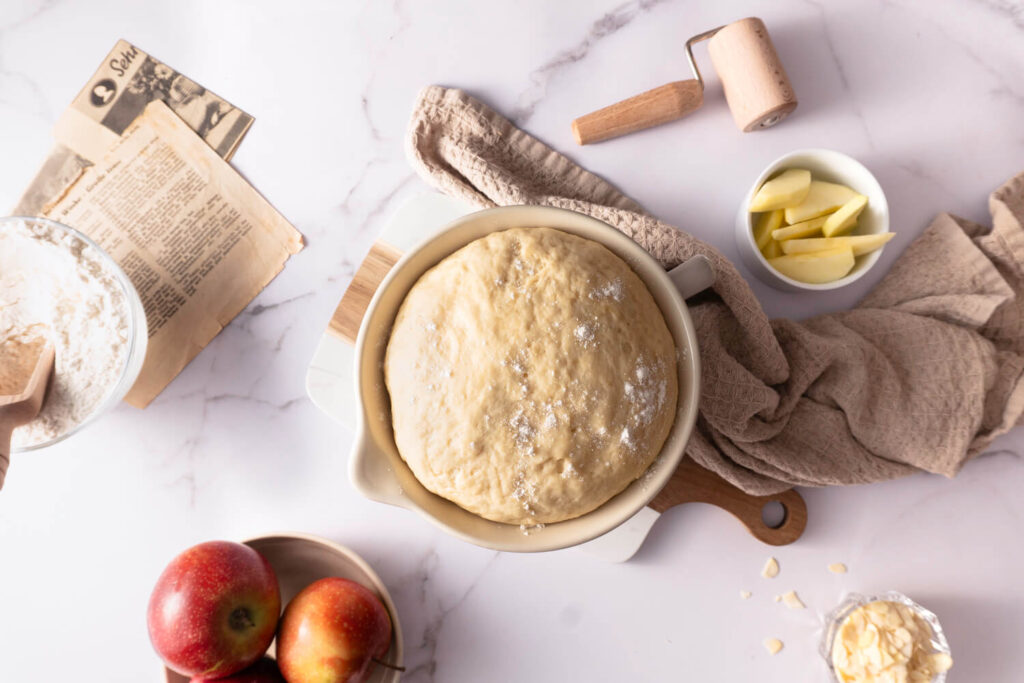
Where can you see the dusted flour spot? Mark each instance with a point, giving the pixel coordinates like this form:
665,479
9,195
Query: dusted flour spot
549,350
612,289
523,432
584,333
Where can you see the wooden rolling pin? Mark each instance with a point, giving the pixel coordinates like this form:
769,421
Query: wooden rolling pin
757,89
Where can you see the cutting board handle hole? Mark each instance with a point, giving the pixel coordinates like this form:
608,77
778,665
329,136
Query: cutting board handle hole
774,514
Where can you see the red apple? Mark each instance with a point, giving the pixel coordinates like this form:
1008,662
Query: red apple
263,671
214,609
332,632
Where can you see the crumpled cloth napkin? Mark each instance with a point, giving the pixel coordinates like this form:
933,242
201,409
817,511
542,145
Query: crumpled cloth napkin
922,375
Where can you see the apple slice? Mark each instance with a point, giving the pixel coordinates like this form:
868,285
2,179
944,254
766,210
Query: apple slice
766,223
772,250
843,220
822,198
815,268
860,244
804,229
786,189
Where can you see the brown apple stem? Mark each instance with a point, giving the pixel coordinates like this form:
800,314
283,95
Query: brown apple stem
387,665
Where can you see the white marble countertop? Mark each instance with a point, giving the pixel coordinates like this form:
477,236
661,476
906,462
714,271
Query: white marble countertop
928,95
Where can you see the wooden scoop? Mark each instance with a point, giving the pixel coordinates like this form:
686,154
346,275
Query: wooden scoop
25,367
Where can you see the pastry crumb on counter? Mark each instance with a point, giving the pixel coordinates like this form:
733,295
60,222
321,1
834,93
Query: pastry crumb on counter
792,601
745,594
837,568
777,598
773,645
771,568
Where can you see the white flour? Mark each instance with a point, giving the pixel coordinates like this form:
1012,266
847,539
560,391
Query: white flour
56,283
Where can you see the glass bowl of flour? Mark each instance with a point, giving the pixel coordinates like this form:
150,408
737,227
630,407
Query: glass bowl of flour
56,282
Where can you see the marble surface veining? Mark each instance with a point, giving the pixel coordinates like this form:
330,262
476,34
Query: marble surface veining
928,95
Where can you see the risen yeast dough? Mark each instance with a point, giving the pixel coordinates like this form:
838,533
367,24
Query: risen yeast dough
532,376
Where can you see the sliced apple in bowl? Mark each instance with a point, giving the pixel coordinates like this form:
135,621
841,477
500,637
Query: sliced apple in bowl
815,268
766,227
822,198
845,218
786,189
803,229
811,229
859,244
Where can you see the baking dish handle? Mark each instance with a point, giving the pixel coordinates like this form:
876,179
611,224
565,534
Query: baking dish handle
372,475
692,276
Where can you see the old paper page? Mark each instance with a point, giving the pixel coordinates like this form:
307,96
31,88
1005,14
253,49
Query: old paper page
196,239
127,80
61,168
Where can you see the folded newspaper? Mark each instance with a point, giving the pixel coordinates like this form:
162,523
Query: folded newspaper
140,167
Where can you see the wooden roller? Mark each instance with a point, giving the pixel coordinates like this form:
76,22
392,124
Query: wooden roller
756,87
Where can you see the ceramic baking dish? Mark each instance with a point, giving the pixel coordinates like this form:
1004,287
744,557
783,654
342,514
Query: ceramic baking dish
378,471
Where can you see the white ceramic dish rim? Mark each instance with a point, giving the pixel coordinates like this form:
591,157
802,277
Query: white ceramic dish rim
138,337
878,202
372,463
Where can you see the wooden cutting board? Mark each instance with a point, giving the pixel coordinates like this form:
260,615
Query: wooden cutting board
330,385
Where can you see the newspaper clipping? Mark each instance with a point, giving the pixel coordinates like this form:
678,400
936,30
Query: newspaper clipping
196,240
127,80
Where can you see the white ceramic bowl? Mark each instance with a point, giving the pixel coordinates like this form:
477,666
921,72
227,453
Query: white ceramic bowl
831,166
138,333
299,560
378,471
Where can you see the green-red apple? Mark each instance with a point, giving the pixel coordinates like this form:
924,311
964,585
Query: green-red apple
332,632
214,609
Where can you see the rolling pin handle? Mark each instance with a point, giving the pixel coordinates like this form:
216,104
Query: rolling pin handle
652,108
5,450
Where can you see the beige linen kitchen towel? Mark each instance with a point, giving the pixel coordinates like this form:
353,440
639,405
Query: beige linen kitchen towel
922,375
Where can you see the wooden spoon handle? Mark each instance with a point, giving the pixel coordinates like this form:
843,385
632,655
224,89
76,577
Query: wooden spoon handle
652,108
5,448
691,483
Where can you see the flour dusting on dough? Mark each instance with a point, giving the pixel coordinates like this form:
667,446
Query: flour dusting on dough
532,377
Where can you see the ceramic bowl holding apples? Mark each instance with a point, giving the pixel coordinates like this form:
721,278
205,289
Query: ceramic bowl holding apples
815,219
216,614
